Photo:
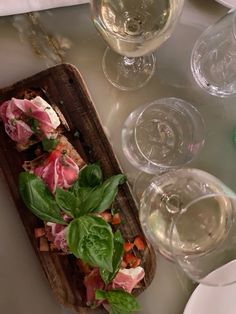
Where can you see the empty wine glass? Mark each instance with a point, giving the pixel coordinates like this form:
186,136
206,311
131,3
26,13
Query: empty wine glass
189,216
133,29
162,135
213,60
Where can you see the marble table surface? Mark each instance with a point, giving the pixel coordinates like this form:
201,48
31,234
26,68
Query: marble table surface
36,41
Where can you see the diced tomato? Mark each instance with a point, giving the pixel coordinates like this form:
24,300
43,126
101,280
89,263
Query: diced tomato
53,155
106,216
136,263
132,260
39,232
123,264
116,219
138,242
129,258
128,246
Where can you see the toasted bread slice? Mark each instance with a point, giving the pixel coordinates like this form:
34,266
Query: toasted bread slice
63,145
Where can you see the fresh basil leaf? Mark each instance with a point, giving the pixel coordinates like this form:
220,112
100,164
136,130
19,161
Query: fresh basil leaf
116,260
83,193
75,187
38,199
67,202
90,176
109,190
100,294
91,239
121,302
49,144
89,201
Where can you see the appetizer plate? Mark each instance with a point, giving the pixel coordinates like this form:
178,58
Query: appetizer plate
228,3
214,300
63,86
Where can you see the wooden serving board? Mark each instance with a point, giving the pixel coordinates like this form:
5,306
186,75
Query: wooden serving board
64,87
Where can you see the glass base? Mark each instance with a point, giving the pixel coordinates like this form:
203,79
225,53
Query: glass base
128,73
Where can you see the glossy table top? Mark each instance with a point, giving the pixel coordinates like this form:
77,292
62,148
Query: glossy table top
33,42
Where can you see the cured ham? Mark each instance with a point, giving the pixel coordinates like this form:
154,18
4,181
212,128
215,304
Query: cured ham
93,282
58,170
23,118
57,236
127,279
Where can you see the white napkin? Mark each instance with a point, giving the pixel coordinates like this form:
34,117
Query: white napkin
10,7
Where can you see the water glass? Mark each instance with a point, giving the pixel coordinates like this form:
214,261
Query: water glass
165,134
213,60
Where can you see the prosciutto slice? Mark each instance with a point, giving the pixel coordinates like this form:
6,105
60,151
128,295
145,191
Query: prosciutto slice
18,115
127,279
58,170
92,282
57,235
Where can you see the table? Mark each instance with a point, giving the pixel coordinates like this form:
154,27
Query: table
33,42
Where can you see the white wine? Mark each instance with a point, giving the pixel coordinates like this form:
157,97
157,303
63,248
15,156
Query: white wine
203,222
136,27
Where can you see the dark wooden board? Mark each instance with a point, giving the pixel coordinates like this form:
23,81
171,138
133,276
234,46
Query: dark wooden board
64,87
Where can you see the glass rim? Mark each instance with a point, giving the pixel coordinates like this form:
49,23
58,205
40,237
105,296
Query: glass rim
169,101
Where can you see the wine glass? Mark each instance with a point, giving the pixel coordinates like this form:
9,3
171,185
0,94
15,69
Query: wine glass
189,216
163,135
133,29
213,59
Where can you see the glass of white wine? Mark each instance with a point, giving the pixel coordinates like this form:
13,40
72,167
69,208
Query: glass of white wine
133,29
190,217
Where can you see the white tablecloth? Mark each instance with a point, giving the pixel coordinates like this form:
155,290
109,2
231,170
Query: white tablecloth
10,7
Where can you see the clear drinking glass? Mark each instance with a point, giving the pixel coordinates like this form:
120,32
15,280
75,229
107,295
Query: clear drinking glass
163,135
189,216
133,29
213,60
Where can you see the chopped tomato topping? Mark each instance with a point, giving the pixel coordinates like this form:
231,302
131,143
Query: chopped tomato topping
39,232
138,242
136,263
123,264
106,216
116,219
131,260
128,246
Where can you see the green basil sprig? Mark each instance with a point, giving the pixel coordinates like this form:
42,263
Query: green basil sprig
91,239
108,191
38,199
67,202
121,302
90,176
116,260
49,144
92,197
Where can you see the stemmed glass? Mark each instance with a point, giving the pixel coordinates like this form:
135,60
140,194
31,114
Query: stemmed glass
163,135
190,217
213,60
133,29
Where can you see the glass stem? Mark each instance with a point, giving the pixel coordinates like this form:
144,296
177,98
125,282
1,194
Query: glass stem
128,61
